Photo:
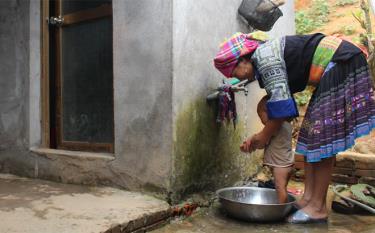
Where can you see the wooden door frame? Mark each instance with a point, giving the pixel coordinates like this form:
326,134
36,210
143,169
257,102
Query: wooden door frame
69,19
45,90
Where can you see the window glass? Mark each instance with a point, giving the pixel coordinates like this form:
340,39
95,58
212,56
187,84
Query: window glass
87,82
70,6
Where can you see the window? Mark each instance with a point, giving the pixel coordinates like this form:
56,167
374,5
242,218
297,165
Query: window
80,76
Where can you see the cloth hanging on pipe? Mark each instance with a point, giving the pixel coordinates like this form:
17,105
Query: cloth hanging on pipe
226,105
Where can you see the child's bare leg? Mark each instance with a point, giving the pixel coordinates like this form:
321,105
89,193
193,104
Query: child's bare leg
281,176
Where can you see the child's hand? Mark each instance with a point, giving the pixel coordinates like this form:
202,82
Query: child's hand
246,146
259,141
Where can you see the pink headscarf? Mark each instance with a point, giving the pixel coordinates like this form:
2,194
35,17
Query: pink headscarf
231,50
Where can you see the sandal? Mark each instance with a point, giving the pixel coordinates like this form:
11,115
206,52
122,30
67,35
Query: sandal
300,217
294,209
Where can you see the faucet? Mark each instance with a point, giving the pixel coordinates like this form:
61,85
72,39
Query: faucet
235,85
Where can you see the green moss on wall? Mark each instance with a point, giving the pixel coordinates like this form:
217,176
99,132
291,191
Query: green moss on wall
207,154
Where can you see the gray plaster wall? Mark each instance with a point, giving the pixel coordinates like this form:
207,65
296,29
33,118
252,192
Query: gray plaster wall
35,74
285,25
212,157
143,89
14,70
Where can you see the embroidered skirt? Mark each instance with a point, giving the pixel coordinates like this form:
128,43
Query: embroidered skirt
341,109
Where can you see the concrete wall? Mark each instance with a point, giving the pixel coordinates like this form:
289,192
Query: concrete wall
206,156
285,25
143,89
14,70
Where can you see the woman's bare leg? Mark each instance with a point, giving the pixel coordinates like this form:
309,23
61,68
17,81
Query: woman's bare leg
322,172
309,185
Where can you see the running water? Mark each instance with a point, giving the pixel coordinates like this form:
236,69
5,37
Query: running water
244,109
241,160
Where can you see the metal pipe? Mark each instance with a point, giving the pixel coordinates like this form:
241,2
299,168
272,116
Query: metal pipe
366,207
236,87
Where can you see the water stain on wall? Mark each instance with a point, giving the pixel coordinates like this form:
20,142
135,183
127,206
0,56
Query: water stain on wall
207,154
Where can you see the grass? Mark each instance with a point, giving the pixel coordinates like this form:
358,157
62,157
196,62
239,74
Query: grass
346,2
309,20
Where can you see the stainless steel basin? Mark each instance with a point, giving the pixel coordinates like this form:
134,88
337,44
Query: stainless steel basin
254,204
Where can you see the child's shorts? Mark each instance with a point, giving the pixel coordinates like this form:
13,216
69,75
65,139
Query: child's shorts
278,153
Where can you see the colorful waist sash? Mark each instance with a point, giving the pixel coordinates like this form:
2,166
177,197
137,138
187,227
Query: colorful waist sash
322,56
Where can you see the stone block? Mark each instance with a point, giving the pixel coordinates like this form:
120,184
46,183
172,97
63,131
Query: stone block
365,164
344,179
365,173
344,171
344,163
150,220
361,161
367,180
116,229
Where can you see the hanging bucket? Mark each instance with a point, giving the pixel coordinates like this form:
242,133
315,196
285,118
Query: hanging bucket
260,14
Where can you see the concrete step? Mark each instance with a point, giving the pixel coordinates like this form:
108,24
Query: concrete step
37,206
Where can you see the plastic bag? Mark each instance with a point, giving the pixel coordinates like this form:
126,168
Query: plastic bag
260,14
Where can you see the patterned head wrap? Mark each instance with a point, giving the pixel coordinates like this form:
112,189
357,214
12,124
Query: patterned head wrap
232,49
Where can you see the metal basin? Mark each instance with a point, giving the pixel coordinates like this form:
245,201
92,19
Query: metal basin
254,204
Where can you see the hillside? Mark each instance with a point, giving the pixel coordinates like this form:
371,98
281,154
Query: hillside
329,17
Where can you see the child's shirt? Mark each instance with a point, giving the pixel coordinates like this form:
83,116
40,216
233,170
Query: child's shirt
278,153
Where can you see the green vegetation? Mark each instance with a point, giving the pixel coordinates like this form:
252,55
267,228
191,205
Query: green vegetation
347,30
303,23
320,9
364,18
302,98
365,22
315,17
339,15
345,2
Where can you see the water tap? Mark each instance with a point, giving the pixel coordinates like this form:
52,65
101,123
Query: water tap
240,86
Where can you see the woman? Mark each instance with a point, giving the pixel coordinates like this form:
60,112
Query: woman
341,109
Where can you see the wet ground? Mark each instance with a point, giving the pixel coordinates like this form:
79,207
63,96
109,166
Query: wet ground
214,220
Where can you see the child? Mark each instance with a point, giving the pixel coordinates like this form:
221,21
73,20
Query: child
278,153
